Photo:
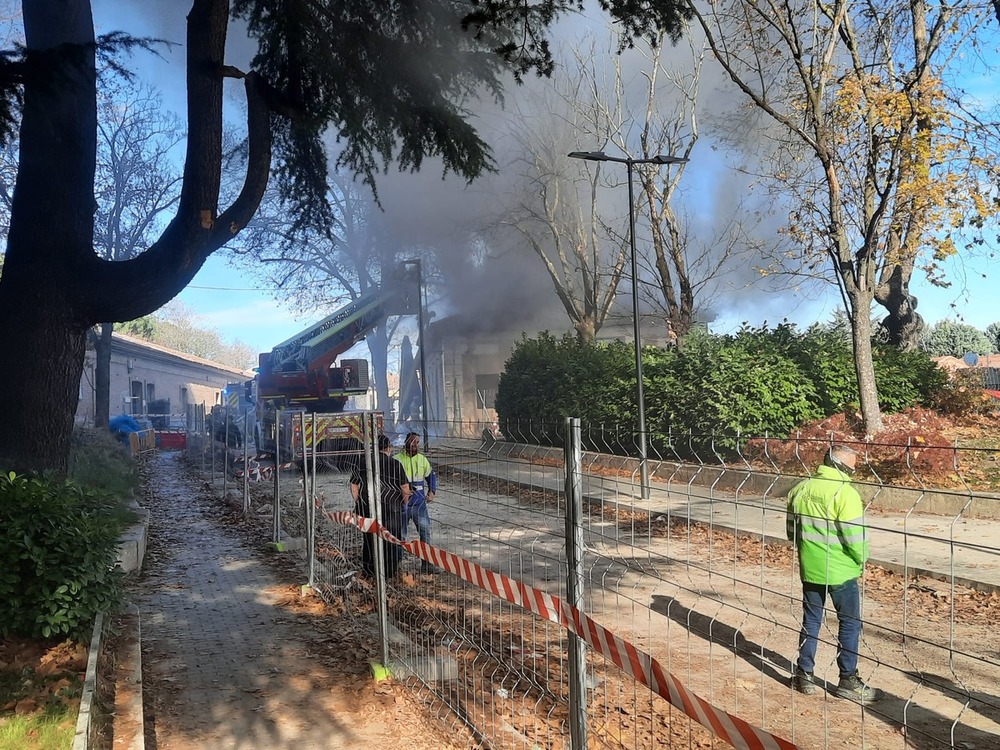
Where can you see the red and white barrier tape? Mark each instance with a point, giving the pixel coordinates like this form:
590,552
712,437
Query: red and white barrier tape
256,471
638,664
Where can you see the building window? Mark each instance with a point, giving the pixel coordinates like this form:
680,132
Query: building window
137,391
486,390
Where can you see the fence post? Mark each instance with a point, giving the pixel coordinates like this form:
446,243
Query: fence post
311,501
276,512
246,465
573,456
225,448
378,543
210,431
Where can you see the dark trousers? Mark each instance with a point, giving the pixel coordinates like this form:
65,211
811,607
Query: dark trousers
847,601
392,520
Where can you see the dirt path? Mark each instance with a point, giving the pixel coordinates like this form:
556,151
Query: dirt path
235,659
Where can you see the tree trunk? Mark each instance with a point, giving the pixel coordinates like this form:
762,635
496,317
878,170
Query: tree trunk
39,386
586,330
864,365
102,376
904,325
50,238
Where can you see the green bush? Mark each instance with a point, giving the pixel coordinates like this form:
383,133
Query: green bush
732,385
826,358
548,379
58,546
906,379
757,381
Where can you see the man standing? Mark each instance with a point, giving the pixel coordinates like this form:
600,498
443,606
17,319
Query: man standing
393,494
423,486
826,521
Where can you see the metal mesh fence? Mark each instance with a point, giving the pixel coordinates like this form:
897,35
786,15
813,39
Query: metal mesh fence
699,575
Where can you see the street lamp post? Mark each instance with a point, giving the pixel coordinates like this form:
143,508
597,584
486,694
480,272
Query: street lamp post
640,394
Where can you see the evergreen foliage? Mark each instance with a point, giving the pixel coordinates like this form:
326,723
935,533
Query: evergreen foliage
58,545
391,79
59,540
953,339
992,333
754,382
551,378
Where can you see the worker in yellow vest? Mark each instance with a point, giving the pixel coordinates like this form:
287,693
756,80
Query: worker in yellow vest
826,521
423,486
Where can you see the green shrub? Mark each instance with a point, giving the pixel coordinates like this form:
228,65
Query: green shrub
826,358
906,379
548,379
757,381
58,545
734,385
98,461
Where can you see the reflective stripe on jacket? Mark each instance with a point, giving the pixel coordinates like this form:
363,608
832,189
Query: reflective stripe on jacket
826,521
421,475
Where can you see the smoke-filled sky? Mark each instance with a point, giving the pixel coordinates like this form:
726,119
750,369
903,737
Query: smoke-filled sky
510,286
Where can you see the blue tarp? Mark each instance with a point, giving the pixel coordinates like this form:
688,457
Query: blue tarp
123,423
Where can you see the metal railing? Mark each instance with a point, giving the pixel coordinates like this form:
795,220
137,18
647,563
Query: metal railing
699,576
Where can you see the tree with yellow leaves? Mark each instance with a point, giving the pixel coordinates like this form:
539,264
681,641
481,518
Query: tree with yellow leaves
883,157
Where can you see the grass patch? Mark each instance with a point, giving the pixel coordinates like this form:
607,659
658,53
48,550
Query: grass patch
99,462
52,729
40,689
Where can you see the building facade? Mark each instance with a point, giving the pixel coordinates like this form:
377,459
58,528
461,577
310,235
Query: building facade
150,379
464,367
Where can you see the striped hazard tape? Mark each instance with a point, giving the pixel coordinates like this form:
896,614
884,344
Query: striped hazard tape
638,664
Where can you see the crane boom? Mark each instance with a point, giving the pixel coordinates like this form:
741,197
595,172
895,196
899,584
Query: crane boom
299,373
330,337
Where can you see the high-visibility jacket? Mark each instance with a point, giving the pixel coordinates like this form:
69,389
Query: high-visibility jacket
421,475
826,521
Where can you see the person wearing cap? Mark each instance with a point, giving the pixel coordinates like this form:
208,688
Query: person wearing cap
825,519
393,494
423,486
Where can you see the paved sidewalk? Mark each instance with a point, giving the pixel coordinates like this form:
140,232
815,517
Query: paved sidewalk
227,668
967,549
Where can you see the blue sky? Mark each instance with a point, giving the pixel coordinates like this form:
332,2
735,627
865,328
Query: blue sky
235,306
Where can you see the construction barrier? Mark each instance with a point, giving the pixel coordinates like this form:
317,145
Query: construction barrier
636,663
141,442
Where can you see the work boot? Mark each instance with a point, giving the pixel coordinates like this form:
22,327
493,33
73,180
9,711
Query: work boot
853,689
804,682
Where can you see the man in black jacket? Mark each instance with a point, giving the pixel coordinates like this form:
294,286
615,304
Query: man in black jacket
394,492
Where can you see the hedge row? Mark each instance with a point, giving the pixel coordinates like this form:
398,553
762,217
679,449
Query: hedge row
755,382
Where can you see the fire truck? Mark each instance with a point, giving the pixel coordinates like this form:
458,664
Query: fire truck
301,393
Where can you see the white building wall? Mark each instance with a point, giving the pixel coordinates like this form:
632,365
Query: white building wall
154,372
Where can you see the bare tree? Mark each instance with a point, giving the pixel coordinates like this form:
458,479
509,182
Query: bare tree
325,272
556,203
662,118
569,213
136,183
877,153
